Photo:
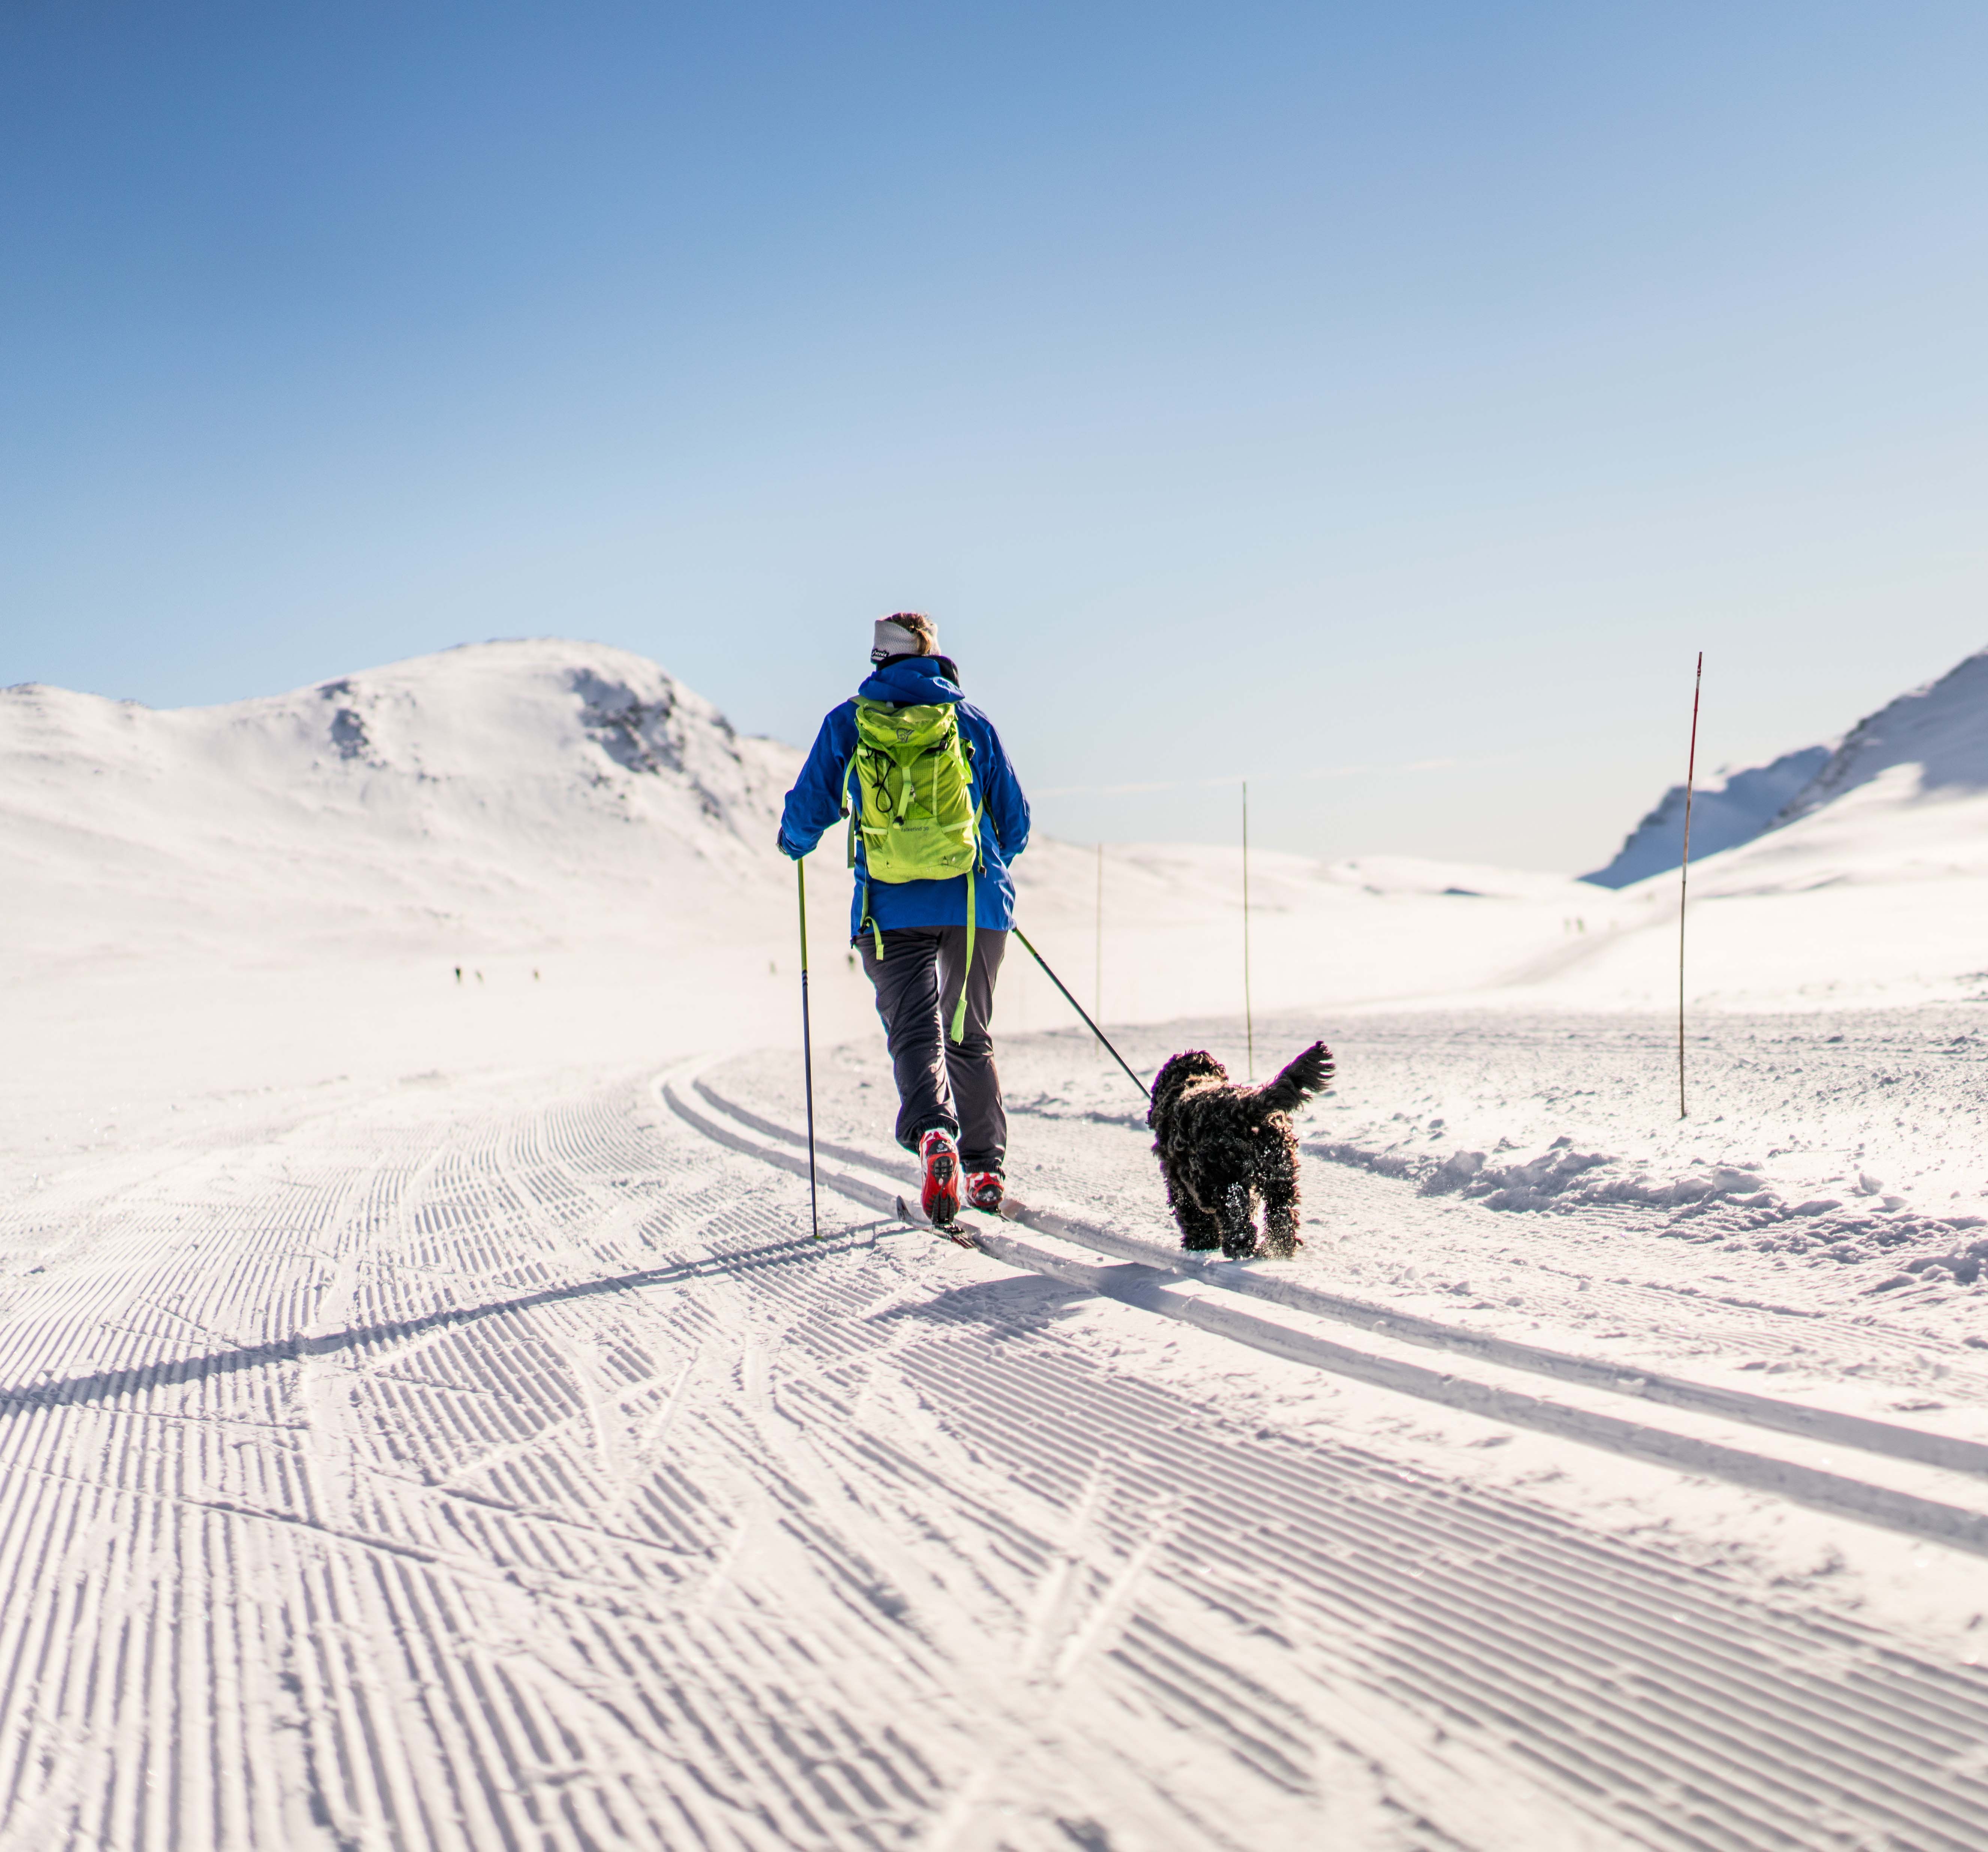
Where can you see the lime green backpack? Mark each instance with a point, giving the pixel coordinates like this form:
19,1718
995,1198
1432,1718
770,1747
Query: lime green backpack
916,807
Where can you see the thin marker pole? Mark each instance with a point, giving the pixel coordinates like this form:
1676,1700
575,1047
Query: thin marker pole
1684,870
1248,1014
807,1058
1097,955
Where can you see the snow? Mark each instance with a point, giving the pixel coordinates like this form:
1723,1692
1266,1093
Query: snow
1930,744
426,1426
491,797
1939,731
1728,809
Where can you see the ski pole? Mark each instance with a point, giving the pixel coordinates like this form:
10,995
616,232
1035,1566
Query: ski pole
807,1057
1079,1008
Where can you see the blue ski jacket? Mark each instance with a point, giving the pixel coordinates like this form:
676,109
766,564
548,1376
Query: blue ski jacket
815,804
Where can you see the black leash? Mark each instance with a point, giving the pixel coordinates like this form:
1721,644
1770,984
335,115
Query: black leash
1079,1008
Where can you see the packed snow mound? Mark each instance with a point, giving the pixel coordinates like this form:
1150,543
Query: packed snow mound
499,794
1730,809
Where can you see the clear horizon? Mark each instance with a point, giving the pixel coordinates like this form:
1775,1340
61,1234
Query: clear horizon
1383,408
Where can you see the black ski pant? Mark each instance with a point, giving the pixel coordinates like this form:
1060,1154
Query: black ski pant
941,1082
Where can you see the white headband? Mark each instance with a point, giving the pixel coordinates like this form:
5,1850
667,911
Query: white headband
893,640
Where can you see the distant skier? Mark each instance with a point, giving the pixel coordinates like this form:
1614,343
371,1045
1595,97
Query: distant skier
935,816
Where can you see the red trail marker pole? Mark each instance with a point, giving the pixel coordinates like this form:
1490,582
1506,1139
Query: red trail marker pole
1248,1013
1684,870
1098,952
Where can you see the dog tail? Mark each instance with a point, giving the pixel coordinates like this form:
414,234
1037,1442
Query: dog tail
1310,1073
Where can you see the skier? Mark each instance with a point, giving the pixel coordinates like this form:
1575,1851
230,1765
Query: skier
935,816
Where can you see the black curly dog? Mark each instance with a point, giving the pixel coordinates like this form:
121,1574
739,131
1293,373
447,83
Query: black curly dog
1221,1147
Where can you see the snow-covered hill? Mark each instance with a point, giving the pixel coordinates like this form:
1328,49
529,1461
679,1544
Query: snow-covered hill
523,799
1924,753
1940,732
500,796
1728,809
544,801
1904,797
1869,885
202,905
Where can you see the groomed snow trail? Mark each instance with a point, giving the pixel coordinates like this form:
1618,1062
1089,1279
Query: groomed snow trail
501,1465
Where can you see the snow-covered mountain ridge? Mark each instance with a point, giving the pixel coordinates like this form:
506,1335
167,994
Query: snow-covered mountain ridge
498,794
1929,745
1941,729
519,799
1727,809
522,798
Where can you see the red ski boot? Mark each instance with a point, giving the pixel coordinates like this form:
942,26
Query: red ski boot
938,1159
985,1190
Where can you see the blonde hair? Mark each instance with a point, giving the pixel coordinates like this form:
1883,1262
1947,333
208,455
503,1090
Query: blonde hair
924,633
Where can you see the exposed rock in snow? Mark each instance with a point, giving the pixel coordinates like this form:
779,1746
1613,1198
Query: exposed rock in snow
1727,810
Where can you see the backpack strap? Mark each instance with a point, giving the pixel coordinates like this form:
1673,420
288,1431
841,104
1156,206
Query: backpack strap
866,917
957,1032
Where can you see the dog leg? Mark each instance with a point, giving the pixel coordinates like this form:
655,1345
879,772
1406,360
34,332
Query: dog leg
1238,1225
1277,1178
1281,1223
1199,1231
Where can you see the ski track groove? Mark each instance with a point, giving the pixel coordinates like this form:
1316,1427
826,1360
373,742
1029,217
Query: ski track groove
1868,1760
1810,1341
289,1569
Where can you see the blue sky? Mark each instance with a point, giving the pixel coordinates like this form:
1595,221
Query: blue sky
1381,402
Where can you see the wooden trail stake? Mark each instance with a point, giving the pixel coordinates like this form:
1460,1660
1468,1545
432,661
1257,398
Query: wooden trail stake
1098,953
1684,870
1248,1014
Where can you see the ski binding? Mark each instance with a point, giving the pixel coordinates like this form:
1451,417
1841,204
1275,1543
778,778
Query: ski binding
918,1219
